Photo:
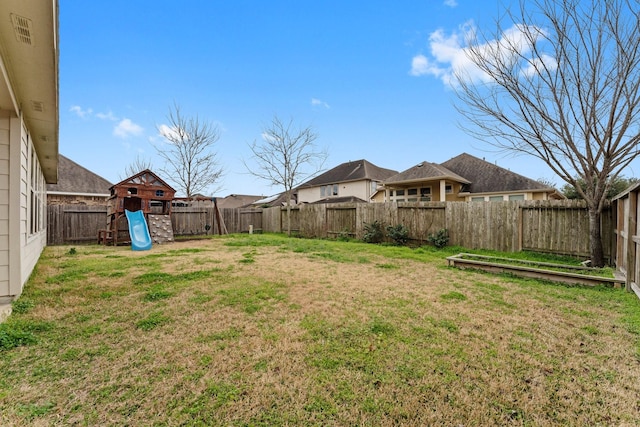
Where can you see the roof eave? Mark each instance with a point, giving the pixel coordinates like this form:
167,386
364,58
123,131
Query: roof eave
30,70
435,178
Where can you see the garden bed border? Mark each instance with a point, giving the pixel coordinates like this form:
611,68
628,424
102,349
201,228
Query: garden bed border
493,265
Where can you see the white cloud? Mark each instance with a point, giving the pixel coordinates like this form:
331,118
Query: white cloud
80,112
268,137
534,67
451,3
169,133
127,128
106,116
318,103
420,66
449,53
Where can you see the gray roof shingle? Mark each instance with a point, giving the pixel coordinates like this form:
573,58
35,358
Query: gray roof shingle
350,171
73,178
425,171
486,177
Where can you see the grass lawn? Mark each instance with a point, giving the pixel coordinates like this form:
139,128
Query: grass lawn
264,330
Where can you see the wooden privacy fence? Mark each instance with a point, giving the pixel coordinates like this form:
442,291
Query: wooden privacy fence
68,224
560,227
549,226
627,235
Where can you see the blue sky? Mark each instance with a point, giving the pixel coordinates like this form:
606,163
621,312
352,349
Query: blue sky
369,77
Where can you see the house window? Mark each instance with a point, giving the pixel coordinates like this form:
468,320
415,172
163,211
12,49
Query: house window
37,198
323,192
159,193
396,195
477,199
496,198
448,189
335,189
425,194
412,192
516,197
374,187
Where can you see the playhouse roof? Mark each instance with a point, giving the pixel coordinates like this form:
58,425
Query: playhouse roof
143,178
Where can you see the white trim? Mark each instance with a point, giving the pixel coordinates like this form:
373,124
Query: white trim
5,74
15,232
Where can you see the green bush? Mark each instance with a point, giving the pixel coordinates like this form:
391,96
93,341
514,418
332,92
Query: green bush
399,234
373,232
12,336
440,239
344,235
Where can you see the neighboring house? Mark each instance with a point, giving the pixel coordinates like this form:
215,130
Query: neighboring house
463,178
356,179
28,135
77,185
236,201
231,201
272,201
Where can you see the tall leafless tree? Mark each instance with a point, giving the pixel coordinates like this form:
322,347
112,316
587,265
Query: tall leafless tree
190,161
561,84
286,156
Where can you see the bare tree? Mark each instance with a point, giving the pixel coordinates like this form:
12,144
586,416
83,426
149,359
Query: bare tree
561,85
138,165
286,156
190,162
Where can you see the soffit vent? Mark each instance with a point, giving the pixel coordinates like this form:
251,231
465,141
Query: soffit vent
23,29
37,106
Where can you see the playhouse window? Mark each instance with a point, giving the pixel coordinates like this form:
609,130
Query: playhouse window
159,193
132,190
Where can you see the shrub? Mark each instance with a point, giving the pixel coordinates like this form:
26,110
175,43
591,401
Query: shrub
344,235
373,232
440,239
399,234
12,336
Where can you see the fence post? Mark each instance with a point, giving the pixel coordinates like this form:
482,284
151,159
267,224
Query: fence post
631,241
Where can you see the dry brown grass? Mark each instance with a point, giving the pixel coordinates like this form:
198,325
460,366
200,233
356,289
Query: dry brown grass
268,331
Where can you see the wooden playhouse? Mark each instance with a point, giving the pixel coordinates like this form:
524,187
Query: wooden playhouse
145,192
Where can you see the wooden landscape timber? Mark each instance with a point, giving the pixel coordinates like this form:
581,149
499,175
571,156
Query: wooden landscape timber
576,275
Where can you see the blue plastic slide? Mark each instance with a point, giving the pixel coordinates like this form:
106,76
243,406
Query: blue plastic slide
138,230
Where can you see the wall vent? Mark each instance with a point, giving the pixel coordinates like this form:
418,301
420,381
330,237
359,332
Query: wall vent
23,29
37,106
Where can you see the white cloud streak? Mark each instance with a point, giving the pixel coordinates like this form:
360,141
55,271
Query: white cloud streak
126,128
318,103
78,111
107,116
168,133
449,54
451,3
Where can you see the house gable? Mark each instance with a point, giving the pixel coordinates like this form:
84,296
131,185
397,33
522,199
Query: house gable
424,171
356,179
350,171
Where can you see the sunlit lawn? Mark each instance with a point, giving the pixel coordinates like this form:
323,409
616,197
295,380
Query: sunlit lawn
265,330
